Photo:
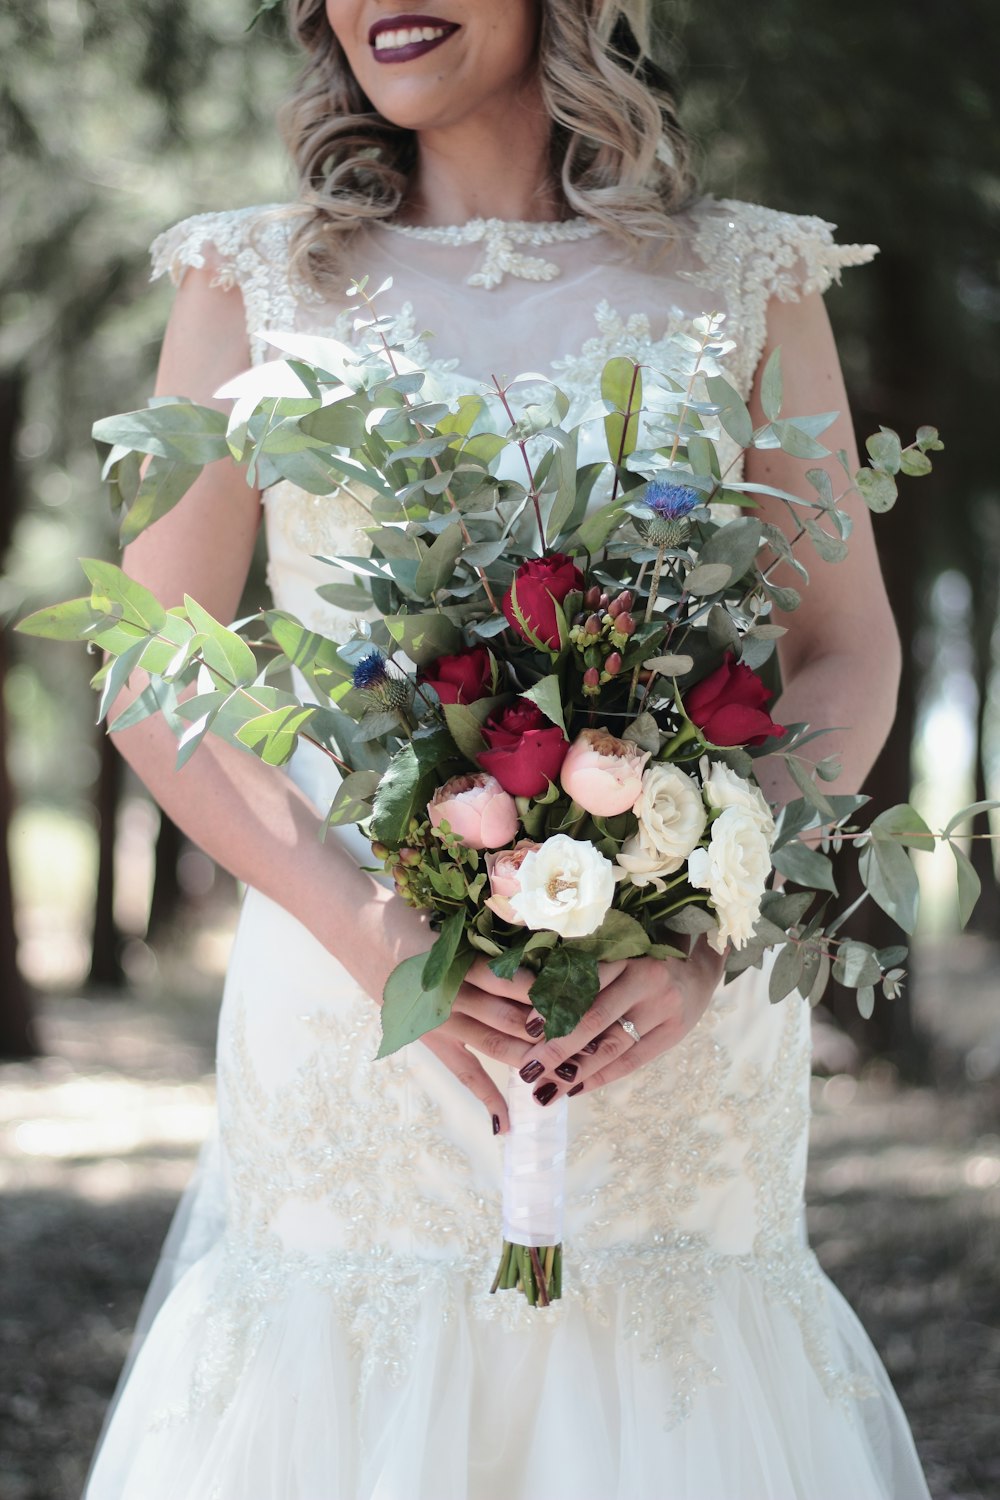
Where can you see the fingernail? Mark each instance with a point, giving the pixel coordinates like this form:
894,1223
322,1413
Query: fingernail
567,1071
575,1090
546,1093
496,1124
535,1026
532,1070
591,1047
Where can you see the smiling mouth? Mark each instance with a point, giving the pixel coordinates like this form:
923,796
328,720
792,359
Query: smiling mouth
401,38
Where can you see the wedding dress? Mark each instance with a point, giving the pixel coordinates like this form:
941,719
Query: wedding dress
321,1326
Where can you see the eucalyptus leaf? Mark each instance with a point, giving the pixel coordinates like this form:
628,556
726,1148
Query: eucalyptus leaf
771,387
969,884
708,578
353,799
733,413
805,866
786,973
877,489
438,564
891,881
424,636
736,544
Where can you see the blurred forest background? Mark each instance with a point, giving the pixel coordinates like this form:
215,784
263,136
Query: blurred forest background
118,118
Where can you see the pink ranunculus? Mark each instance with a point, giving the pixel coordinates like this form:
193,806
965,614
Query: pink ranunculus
603,774
504,870
477,808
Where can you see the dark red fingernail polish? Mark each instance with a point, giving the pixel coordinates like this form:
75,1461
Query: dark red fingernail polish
535,1026
532,1070
575,1090
496,1124
566,1071
546,1093
591,1047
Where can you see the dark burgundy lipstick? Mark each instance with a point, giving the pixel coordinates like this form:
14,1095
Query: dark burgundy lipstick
398,39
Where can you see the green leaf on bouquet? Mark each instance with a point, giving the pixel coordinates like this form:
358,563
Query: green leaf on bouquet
772,387
403,793
829,548
797,442
409,1010
735,543
877,489
61,622
565,989
644,730
506,964
546,694
805,866
786,973
964,813
273,736
465,722
441,957
914,463
885,450
114,593
619,936
438,563
856,965
722,632
691,920
621,387
891,881
425,636
733,414
969,885
786,910
597,527
170,427
353,800
165,482
224,651
708,578
800,774
904,825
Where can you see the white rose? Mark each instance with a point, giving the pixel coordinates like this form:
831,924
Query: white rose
734,870
566,886
723,788
671,818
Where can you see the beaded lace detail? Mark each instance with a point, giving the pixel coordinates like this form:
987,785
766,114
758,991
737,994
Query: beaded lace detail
501,239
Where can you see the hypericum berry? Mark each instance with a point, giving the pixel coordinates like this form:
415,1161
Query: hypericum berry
613,665
625,624
410,856
380,851
615,608
591,680
625,599
603,601
592,597
593,625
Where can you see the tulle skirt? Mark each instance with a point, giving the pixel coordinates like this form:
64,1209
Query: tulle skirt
290,1354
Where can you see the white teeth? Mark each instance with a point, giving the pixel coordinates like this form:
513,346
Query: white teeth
406,37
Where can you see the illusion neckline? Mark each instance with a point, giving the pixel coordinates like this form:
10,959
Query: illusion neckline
501,240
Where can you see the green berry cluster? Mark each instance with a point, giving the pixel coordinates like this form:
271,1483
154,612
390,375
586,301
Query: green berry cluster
600,632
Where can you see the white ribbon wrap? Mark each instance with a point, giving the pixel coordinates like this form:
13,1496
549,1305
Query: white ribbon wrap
534,1166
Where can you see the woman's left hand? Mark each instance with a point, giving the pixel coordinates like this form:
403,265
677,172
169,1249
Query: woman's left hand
663,999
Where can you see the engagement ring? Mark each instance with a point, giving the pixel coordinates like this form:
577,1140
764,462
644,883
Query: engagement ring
629,1028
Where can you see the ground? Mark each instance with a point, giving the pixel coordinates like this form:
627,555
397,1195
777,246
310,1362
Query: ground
98,1136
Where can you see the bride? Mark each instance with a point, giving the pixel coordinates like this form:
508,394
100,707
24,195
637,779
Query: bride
321,1327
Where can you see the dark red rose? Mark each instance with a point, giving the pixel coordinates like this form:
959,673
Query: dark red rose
526,749
728,706
461,678
538,585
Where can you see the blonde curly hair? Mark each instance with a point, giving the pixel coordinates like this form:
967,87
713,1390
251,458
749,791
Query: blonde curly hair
618,151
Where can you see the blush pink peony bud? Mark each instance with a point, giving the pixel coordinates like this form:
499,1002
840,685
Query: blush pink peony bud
603,774
477,808
504,870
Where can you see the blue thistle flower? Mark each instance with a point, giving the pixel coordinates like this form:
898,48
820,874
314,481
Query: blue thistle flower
671,502
370,672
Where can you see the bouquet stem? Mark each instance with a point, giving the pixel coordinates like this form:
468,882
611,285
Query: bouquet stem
533,1192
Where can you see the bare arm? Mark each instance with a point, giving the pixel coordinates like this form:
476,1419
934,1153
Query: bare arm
840,661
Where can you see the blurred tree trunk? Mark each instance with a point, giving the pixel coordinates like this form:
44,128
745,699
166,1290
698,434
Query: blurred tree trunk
166,894
896,401
983,570
17,1029
106,940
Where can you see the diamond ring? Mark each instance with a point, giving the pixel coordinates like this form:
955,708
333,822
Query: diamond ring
629,1029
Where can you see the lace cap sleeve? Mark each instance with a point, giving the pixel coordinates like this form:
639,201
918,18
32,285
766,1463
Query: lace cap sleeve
248,248
756,253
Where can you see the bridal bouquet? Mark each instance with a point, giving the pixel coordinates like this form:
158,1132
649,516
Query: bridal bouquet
549,713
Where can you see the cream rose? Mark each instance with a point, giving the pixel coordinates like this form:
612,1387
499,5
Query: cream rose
566,886
672,819
504,869
734,870
723,788
602,773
